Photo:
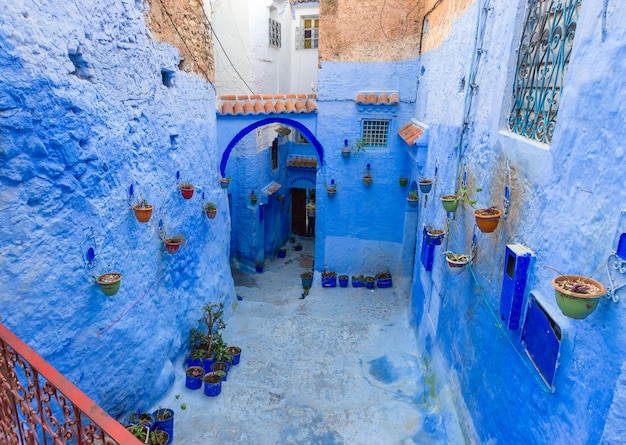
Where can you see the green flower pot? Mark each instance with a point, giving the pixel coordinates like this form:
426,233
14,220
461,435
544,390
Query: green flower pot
573,304
450,203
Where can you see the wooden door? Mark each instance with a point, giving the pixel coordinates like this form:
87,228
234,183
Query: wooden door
298,211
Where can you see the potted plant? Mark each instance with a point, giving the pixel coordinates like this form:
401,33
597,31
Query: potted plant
139,431
253,198
235,354
369,282
193,377
343,280
297,247
159,437
367,175
487,219
164,418
383,280
258,267
109,283
456,261
173,243
358,281
307,280
425,185
329,279
577,296
225,182
186,189
345,150
143,211
331,188
450,202
210,209
282,252
403,181
412,199
212,384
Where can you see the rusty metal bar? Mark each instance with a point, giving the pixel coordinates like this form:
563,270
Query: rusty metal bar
38,406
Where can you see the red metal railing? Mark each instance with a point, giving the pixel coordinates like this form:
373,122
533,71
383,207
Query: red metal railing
38,406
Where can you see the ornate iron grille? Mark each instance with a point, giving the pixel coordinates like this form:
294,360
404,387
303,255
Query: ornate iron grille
375,132
542,61
38,406
275,33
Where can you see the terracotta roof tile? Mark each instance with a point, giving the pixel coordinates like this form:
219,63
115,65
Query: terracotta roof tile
373,98
266,104
248,108
238,109
410,133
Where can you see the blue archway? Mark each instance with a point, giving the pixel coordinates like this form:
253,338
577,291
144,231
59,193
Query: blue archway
292,123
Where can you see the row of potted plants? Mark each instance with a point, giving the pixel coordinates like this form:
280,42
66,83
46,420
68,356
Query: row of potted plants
143,210
382,280
211,357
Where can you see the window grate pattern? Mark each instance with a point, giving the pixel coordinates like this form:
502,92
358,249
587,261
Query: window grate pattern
274,31
543,57
375,133
307,34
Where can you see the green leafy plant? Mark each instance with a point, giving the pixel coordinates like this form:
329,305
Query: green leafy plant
142,203
457,257
139,431
186,185
413,195
209,206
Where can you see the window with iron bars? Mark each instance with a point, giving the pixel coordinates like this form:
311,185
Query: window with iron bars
542,61
374,133
307,34
274,33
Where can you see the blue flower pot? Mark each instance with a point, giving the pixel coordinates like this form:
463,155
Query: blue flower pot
212,388
235,351
329,281
191,381
259,269
217,366
307,282
282,253
369,284
343,282
383,283
166,425
207,362
358,283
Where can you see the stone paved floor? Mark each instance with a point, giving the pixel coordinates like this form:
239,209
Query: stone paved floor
338,367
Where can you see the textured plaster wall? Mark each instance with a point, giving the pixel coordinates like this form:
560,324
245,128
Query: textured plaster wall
74,135
565,206
362,227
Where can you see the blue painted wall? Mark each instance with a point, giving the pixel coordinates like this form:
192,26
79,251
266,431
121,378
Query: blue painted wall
85,115
361,229
566,200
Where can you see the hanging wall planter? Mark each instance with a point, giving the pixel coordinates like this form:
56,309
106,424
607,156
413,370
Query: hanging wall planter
456,262
367,176
210,209
487,219
224,182
186,189
412,200
173,244
425,185
331,188
253,198
143,211
577,296
109,283
450,202
403,181
345,150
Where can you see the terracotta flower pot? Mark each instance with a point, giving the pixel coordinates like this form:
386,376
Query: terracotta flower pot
367,180
143,214
211,213
456,266
172,245
487,221
187,192
577,296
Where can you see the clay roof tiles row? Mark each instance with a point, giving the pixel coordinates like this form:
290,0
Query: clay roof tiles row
241,105
410,133
371,98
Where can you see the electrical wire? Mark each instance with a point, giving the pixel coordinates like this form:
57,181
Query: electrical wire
223,50
206,73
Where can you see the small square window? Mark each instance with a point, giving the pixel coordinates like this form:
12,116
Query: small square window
375,133
274,33
307,34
